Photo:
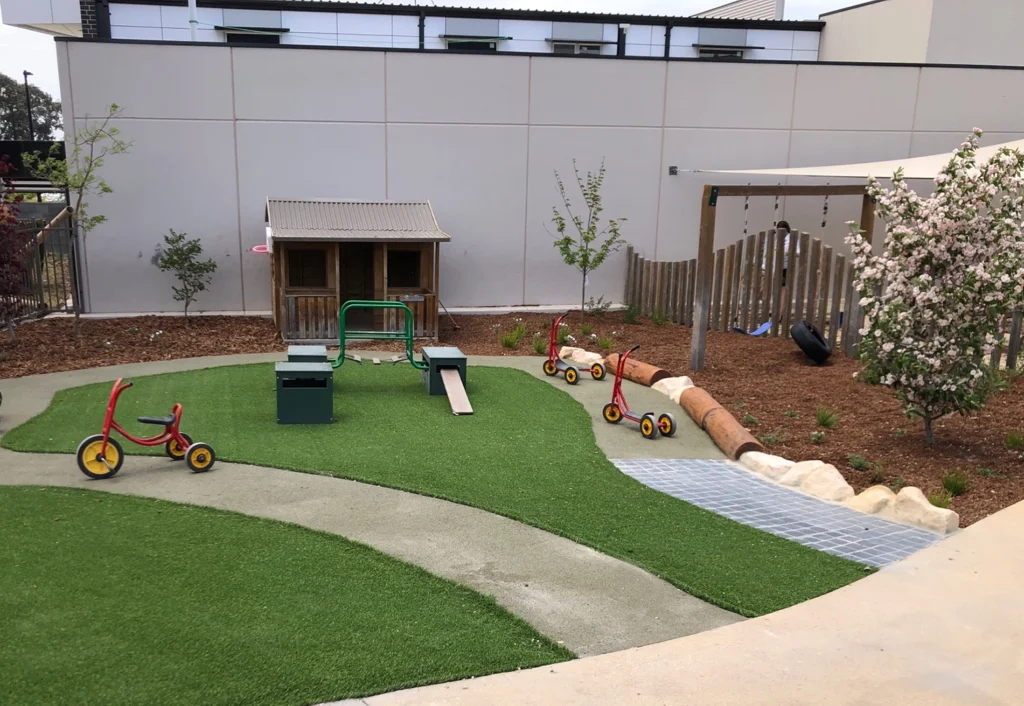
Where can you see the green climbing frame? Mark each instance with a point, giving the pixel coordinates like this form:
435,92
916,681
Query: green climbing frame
404,335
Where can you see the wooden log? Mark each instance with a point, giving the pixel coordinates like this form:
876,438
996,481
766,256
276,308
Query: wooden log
824,279
837,296
730,266
801,280
691,291
681,292
727,433
734,287
673,292
627,295
638,282
645,306
1013,348
716,294
813,273
637,371
749,294
705,258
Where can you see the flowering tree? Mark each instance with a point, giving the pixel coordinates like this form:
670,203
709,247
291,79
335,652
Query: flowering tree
951,270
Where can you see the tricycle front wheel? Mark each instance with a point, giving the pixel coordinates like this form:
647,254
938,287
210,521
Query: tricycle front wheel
175,450
96,462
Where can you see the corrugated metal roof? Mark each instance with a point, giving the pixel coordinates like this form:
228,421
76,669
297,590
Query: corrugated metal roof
743,10
332,220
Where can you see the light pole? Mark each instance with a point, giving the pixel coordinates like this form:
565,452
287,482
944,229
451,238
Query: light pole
28,107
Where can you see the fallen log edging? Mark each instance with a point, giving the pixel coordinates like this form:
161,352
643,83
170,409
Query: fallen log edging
723,428
638,372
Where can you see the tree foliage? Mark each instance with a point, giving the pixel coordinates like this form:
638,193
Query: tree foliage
578,233
46,115
180,256
951,271
13,252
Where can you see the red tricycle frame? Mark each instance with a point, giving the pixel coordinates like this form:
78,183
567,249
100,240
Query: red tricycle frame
101,456
618,409
554,364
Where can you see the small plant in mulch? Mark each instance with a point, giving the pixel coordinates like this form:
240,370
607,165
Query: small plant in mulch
773,438
899,433
956,483
897,484
512,338
739,404
1015,441
750,420
586,329
877,476
987,472
826,418
629,314
942,499
605,344
540,343
659,317
598,307
817,437
859,463
790,414
563,334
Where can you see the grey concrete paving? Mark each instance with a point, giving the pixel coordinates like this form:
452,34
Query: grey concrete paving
728,489
588,601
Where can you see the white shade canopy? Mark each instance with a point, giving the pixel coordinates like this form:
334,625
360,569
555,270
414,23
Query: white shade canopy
913,167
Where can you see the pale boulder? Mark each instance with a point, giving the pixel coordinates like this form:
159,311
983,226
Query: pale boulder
673,387
875,500
827,483
579,355
795,475
773,467
913,508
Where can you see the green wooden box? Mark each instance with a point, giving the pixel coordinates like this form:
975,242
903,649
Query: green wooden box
307,354
305,393
437,357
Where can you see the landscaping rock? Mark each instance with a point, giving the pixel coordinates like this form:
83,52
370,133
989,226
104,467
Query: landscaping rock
913,507
673,387
877,499
579,355
827,483
773,467
795,475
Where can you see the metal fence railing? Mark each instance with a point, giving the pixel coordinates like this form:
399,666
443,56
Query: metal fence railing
50,282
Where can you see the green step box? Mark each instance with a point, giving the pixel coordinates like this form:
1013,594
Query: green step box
307,354
305,393
438,357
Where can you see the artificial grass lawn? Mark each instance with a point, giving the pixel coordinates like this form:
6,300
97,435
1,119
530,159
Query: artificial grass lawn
528,452
106,599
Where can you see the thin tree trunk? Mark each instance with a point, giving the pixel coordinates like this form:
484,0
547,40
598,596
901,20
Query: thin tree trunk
929,435
583,296
10,329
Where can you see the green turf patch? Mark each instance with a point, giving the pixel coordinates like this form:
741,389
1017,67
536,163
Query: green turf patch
528,452
107,599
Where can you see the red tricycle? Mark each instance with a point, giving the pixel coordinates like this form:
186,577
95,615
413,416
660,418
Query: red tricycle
615,410
554,364
100,455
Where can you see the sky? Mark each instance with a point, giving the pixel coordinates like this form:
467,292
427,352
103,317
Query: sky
22,49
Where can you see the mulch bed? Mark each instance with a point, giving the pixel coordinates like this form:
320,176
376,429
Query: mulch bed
766,383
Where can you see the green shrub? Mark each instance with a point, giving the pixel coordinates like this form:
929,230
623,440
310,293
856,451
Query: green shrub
817,437
659,317
776,437
540,344
586,329
826,418
858,462
897,484
606,344
956,483
599,307
877,476
750,420
629,314
510,339
562,335
1015,441
791,414
942,499
987,472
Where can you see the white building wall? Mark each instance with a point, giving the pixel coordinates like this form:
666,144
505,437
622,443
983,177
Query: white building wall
892,31
986,32
216,130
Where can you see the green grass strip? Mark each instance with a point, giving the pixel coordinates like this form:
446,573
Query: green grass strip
107,599
528,452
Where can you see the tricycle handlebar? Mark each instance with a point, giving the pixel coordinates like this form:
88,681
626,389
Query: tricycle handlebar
634,348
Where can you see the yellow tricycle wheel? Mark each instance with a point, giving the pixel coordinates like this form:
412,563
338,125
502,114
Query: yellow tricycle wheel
597,370
550,367
612,414
200,457
667,424
99,465
175,450
572,375
648,427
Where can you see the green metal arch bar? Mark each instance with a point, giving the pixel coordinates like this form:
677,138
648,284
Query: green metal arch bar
406,335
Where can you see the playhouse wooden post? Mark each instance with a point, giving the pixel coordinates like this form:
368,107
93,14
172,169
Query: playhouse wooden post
705,261
867,217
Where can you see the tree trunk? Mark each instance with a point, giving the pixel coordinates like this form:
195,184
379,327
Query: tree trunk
929,435
186,314
10,329
583,296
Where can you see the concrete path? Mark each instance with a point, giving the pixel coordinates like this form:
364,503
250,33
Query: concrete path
942,627
728,489
590,602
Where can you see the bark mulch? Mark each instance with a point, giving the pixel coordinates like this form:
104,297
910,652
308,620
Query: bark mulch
766,383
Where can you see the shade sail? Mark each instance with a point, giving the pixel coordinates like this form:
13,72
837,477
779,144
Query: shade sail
913,167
